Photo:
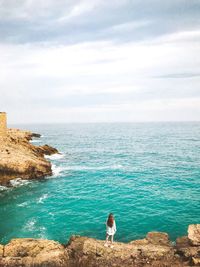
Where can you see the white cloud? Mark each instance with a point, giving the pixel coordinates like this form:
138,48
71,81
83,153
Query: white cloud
154,79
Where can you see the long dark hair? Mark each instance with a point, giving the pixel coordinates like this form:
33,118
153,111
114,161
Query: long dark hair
110,220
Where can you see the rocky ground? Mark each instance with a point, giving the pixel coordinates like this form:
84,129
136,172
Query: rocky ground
21,159
154,250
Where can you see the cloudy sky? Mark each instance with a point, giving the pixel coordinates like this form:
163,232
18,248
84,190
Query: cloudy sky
100,60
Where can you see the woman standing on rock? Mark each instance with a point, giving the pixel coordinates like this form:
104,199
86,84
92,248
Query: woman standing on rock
110,229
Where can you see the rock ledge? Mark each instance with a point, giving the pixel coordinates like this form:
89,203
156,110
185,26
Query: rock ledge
154,250
21,159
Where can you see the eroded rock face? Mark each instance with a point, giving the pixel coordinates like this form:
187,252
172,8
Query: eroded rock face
1,250
21,159
89,252
47,150
34,252
182,242
155,250
194,234
187,246
158,238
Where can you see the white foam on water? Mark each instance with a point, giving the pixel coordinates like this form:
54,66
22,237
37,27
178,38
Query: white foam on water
24,204
30,225
42,233
41,199
80,168
54,156
35,141
3,188
57,170
18,182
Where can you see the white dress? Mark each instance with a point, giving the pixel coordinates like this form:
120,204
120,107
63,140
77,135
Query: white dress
111,230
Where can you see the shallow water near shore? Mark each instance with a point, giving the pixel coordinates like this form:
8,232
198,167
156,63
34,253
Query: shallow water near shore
147,174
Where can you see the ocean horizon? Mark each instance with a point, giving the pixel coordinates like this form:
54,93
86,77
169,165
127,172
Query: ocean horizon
146,173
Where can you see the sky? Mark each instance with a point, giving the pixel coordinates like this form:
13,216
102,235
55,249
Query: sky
99,61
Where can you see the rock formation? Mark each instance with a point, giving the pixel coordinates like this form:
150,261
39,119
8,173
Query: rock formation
154,250
194,234
33,252
21,159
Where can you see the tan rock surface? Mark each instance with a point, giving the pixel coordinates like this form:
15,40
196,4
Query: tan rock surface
158,238
34,252
89,252
182,242
187,247
194,234
155,250
21,159
1,250
196,261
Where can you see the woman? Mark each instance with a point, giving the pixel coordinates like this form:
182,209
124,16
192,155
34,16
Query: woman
110,229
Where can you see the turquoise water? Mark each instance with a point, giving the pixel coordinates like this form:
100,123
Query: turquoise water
147,174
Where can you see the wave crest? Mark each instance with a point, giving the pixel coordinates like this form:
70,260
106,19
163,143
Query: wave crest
57,170
18,182
54,156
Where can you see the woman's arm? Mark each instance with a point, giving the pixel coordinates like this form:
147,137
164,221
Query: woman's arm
114,226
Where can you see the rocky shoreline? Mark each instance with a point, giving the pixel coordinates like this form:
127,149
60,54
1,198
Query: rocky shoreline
154,250
21,159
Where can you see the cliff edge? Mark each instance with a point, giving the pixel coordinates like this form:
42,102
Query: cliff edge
21,159
154,250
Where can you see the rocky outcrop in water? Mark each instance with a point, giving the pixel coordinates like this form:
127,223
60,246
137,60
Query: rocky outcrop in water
20,158
154,250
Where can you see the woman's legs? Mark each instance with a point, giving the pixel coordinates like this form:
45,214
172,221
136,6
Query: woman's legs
107,240
107,237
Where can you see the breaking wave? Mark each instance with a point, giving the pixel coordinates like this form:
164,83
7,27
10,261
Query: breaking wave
3,188
58,170
19,182
54,156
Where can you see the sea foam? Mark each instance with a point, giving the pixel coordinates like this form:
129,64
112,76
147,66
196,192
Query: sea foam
3,188
18,182
58,170
42,198
35,141
54,156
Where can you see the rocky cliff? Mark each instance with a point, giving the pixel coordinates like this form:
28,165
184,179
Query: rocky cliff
21,159
154,250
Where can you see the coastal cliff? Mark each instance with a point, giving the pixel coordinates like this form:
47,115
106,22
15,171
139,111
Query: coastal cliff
21,159
154,250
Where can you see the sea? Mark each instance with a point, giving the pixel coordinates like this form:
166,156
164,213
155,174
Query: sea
146,174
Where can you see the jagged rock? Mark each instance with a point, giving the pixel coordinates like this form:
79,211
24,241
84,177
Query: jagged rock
196,261
182,242
21,159
88,252
188,252
1,250
187,247
158,238
36,135
154,250
34,252
47,150
194,234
